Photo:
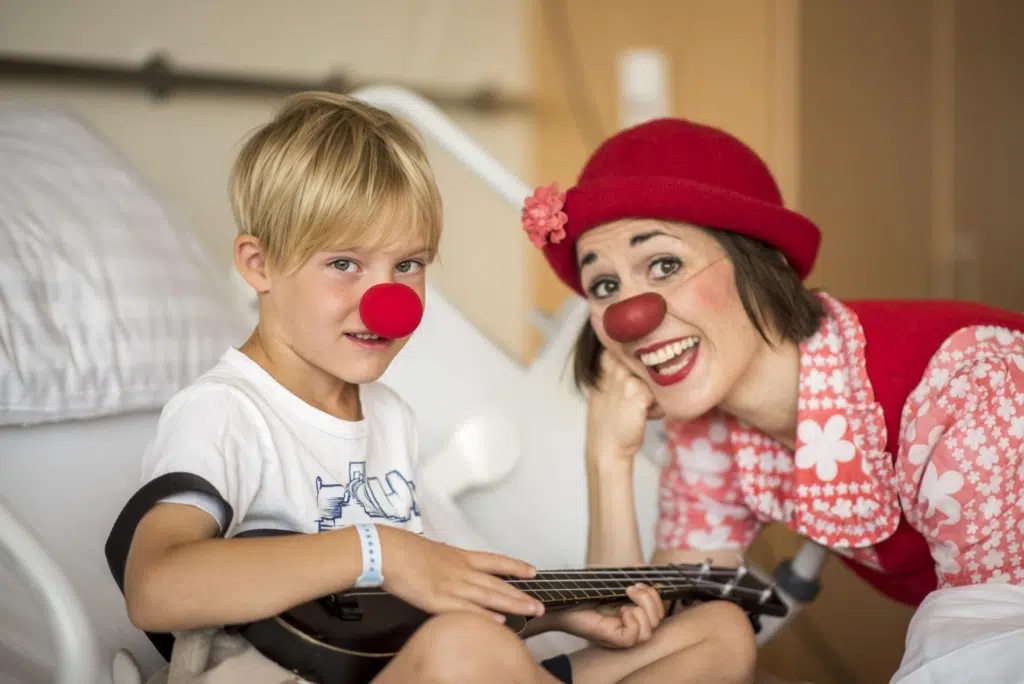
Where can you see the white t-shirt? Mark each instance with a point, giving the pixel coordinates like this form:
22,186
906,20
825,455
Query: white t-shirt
281,463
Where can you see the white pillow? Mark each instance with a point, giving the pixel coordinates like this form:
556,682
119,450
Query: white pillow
108,302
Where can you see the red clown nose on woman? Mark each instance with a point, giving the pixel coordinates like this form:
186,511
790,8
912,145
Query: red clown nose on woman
890,432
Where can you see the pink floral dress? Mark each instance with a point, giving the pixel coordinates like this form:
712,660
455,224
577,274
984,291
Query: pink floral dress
958,476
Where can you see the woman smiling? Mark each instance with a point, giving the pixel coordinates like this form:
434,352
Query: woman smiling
891,432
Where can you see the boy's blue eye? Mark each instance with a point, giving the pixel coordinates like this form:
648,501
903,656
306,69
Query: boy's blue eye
344,265
410,266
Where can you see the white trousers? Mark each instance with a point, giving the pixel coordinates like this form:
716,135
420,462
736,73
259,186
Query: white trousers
966,634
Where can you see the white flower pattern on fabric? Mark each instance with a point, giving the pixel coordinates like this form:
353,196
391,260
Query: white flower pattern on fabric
717,512
918,453
718,537
961,459
945,555
937,492
703,463
824,448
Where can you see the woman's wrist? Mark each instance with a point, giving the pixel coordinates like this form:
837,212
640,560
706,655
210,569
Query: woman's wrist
603,459
612,524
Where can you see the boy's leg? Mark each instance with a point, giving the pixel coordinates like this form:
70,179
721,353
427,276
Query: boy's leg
462,647
711,642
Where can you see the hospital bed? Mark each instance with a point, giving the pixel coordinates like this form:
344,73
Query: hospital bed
500,442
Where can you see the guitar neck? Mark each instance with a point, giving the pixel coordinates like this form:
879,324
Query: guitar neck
556,588
567,588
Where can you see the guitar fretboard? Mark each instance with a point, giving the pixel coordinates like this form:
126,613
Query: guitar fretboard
554,587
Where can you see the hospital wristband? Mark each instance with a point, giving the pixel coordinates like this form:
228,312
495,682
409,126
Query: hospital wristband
369,543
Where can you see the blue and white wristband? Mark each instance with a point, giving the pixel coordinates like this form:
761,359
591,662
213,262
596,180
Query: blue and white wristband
369,542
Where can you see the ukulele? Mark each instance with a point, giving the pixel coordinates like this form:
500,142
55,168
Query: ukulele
349,637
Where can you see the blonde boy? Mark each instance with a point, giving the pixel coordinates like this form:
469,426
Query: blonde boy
333,198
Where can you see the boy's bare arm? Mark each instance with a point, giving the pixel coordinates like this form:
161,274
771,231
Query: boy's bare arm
180,576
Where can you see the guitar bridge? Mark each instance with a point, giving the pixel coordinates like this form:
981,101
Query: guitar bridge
343,608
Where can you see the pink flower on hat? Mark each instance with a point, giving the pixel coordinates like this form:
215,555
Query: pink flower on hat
543,218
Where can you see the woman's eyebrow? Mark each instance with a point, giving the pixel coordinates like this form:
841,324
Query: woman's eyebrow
640,238
637,239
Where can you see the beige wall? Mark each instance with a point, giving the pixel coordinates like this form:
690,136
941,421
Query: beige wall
988,104
185,146
865,144
910,141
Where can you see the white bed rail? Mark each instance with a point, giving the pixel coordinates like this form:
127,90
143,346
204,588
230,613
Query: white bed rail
76,655
433,123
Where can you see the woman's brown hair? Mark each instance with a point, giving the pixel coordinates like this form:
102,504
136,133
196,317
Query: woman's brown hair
771,293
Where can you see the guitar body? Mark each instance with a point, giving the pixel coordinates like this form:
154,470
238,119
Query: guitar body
345,638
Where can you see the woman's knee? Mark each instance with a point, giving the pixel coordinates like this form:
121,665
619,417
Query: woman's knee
462,647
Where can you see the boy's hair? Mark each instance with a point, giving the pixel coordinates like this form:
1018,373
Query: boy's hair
773,297
332,172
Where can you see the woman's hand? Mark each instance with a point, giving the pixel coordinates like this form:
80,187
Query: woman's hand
615,626
438,578
617,411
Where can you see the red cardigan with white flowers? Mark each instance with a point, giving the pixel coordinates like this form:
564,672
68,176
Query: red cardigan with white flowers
910,450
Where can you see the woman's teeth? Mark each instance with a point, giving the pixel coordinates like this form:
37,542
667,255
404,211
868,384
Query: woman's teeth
672,354
674,368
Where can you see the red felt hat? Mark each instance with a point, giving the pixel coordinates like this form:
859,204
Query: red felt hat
675,170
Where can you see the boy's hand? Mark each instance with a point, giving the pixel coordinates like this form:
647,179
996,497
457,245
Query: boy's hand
438,578
615,626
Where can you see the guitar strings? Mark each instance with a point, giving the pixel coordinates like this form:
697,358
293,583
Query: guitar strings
636,574
677,569
641,572
668,577
552,594
665,585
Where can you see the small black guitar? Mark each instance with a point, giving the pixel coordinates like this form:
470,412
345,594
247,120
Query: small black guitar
349,637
